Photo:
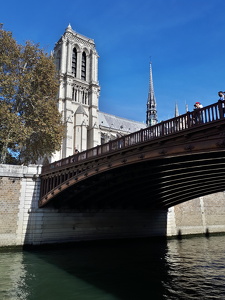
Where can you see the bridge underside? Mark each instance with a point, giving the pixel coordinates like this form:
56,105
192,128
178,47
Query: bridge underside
155,174
153,184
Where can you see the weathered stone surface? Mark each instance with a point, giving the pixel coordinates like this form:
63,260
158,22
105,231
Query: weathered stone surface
202,215
22,222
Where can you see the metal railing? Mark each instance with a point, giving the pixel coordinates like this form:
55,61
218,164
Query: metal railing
186,121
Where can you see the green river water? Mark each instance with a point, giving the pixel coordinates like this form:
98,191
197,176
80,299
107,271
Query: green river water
192,268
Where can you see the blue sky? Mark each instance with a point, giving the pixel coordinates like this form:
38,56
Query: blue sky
184,38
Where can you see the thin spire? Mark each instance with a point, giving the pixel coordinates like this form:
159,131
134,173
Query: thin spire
176,110
151,114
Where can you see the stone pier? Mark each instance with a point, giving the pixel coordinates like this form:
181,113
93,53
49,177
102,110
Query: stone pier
23,223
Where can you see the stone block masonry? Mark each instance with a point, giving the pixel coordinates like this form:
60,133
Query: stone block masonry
203,215
9,208
19,188
23,223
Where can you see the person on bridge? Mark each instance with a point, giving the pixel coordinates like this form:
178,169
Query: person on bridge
221,95
197,115
222,98
76,151
198,105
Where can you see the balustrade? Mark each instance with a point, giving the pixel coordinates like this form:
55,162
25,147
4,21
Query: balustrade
186,121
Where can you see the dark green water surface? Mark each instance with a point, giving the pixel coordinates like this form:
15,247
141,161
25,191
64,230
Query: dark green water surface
192,268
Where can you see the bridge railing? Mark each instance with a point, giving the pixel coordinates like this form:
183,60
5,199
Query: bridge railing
198,117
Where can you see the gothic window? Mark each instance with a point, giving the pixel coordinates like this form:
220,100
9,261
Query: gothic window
74,94
83,66
58,60
103,138
74,62
82,97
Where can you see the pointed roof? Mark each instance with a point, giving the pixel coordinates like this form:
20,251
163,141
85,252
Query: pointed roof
69,28
151,118
118,123
186,107
151,95
176,110
80,110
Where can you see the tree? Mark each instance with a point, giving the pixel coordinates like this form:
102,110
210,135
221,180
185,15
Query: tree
30,123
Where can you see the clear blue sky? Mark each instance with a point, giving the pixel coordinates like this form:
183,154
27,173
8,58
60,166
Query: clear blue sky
184,38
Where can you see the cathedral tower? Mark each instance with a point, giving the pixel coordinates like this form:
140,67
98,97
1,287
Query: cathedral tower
151,114
77,63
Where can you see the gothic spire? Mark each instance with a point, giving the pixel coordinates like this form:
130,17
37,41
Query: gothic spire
151,118
176,110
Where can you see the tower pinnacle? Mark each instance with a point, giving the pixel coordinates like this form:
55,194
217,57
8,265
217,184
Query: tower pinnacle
151,114
176,110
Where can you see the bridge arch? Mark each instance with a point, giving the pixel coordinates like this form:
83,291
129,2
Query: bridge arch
156,184
157,167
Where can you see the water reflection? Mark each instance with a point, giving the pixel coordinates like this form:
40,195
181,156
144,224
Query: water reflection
192,268
12,276
196,268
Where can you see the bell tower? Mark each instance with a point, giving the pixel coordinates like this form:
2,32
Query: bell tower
76,60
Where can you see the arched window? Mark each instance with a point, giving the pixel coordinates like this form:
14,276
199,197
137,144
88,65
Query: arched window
74,94
83,97
74,62
83,66
58,60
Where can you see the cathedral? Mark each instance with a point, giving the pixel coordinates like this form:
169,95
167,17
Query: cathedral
76,60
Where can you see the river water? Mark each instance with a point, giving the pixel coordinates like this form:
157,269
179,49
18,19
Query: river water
192,268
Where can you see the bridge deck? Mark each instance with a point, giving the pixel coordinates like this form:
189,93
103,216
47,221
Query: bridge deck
166,138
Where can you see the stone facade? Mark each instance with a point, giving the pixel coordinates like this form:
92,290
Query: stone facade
23,223
19,191
76,60
9,208
77,63
202,215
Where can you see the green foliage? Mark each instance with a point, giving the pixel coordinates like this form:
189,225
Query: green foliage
30,124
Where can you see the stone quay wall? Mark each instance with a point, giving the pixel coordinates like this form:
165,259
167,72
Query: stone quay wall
203,215
23,223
